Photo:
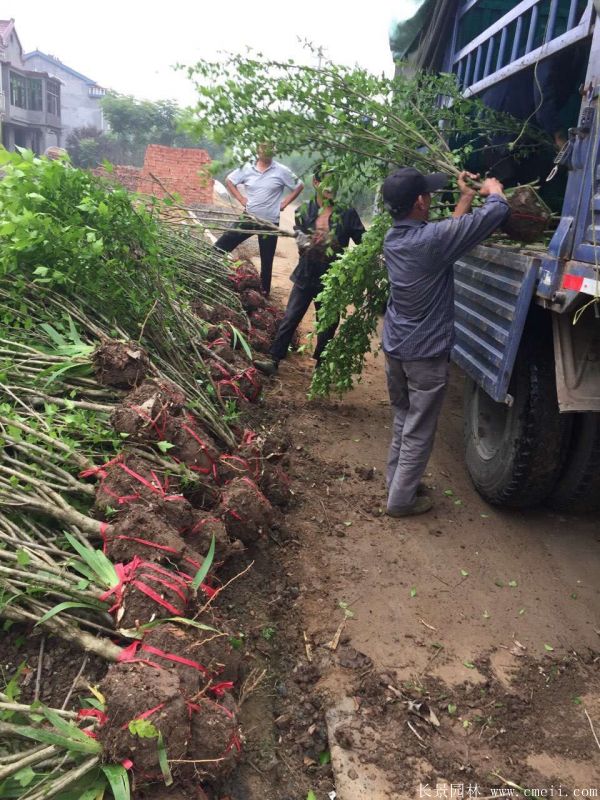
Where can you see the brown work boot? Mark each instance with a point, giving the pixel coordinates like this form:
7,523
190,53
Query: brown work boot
420,506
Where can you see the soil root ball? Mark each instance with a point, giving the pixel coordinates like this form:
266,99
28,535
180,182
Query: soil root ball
265,321
151,592
212,659
140,532
121,365
216,332
192,445
201,534
221,313
131,690
252,300
245,386
259,340
222,348
245,510
529,216
276,486
145,411
216,735
202,494
131,479
245,276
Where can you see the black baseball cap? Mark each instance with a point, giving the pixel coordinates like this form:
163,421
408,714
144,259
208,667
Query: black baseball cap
402,187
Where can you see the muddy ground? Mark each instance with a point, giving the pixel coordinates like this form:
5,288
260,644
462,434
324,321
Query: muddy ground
490,618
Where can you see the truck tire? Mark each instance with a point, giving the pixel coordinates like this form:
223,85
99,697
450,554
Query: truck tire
578,487
514,454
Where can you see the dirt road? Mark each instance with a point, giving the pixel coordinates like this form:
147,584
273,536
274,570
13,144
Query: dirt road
490,617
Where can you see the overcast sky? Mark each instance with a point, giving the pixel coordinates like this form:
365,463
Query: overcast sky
131,45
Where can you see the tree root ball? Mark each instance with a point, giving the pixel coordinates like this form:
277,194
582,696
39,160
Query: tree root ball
138,608
200,536
216,734
252,300
132,479
529,216
144,413
220,313
140,532
265,321
259,340
121,365
192,445
208,649
245,510
276,485
245,276
130,691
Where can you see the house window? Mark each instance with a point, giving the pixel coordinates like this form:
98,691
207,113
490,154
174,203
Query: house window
26,92
34,94
53,98
18,90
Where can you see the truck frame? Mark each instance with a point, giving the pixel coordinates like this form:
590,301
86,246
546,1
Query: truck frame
528,320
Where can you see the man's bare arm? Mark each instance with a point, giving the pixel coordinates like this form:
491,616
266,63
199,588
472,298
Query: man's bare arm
291,197
235,192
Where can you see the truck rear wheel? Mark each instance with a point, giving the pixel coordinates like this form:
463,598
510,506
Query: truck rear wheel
578,487
514,454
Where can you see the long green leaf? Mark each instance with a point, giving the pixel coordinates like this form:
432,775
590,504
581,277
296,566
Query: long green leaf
206,565
118,780
63,607
163,761
90,746
238,336
97,561
68,729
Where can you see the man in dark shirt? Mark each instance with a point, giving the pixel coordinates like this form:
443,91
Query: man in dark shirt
323,230
418,329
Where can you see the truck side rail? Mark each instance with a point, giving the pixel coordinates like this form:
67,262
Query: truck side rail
512,43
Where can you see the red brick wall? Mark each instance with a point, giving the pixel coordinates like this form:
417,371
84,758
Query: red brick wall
183,171
129,177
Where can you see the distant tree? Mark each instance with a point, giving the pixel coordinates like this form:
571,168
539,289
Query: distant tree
134,124
88,147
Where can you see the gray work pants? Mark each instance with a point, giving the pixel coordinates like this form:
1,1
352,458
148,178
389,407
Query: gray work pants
417,390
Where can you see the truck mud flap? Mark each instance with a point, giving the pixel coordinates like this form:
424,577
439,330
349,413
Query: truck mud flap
493,291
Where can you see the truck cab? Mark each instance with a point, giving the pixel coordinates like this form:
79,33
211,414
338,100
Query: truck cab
528,317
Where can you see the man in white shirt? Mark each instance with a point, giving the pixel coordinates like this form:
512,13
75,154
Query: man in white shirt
264,182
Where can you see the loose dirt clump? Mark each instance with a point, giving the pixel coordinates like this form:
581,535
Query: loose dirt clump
121,365
132,690
245,510
275,484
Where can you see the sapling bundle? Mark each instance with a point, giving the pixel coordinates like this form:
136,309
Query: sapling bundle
362,126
